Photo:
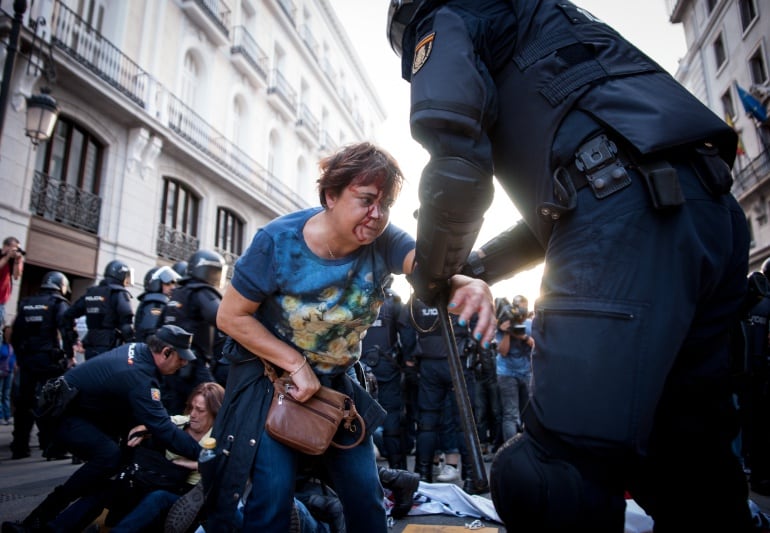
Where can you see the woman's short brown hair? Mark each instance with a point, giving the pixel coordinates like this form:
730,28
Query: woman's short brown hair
359,164
212,393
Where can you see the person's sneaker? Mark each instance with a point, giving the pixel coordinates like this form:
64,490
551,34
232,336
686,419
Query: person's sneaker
448,474
184,511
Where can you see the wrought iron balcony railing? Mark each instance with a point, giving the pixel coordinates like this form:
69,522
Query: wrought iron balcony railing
175,245
281,87
217,11
61,202
87,46
80,41
308,122
307,37
244,44
757,171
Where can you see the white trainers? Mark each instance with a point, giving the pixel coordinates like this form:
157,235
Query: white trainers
448,473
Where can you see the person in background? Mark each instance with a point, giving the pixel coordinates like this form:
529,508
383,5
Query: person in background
7,368
43,340
623,181
158,284
301,296
108,311
193,305
514,368
11,268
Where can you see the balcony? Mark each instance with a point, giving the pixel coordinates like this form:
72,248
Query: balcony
287,6
756,172
55,200
212,16
327,143
307,125
89,48
248,58
175,245
281,96
307,37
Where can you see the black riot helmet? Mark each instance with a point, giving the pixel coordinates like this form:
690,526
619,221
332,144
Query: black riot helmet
159,276
400,14
56,281
766,268
207,266
118,272
180,267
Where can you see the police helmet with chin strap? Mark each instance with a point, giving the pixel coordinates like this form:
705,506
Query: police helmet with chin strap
400,14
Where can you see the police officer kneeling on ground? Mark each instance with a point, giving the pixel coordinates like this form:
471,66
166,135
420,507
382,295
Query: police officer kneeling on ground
43,342
115,392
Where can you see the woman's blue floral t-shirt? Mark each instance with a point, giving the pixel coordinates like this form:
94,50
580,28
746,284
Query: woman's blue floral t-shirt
320,306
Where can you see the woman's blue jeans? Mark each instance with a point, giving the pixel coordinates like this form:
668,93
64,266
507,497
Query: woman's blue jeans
353,474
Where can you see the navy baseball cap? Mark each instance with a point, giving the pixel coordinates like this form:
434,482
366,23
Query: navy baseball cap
179,339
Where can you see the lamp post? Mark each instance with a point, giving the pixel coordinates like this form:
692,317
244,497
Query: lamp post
19,7
42,110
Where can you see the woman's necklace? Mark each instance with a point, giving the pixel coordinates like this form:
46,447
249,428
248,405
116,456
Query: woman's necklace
331,254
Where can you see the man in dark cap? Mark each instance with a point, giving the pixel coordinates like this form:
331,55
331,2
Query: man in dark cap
115,392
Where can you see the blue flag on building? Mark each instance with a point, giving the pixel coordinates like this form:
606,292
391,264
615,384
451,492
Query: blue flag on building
752,106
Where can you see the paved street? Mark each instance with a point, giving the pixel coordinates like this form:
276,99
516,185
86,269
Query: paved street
24,483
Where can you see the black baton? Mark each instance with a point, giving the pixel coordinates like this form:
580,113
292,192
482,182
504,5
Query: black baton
461,397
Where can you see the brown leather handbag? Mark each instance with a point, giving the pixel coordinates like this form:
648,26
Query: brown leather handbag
310,426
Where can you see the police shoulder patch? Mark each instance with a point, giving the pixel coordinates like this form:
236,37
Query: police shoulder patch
422,52
155,394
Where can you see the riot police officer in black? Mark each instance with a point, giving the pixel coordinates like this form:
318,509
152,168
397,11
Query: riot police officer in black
107,307
158,284
43,339
622,178
193,306
754,389
381,352
436,390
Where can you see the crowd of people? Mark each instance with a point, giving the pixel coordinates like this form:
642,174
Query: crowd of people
623,181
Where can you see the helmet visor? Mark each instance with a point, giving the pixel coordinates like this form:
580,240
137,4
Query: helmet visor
400,14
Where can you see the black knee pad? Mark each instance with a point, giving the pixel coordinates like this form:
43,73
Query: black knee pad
534,492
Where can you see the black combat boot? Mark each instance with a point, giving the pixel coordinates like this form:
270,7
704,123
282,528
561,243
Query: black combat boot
397,462
469,485
424,470
54,503
403,484
325,508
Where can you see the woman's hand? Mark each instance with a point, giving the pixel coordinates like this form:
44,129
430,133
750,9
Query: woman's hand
469,297
137,435
304,382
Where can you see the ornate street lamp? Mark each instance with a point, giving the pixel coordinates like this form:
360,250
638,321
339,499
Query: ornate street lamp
42,112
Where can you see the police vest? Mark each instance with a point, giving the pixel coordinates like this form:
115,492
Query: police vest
183,310
149,314
379,347
617,85
40,333
101,316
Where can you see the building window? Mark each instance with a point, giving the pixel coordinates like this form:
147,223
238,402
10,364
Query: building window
229,237
757,67
190,74
178,229
748,12
180,207
719,52
72,155
727,104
